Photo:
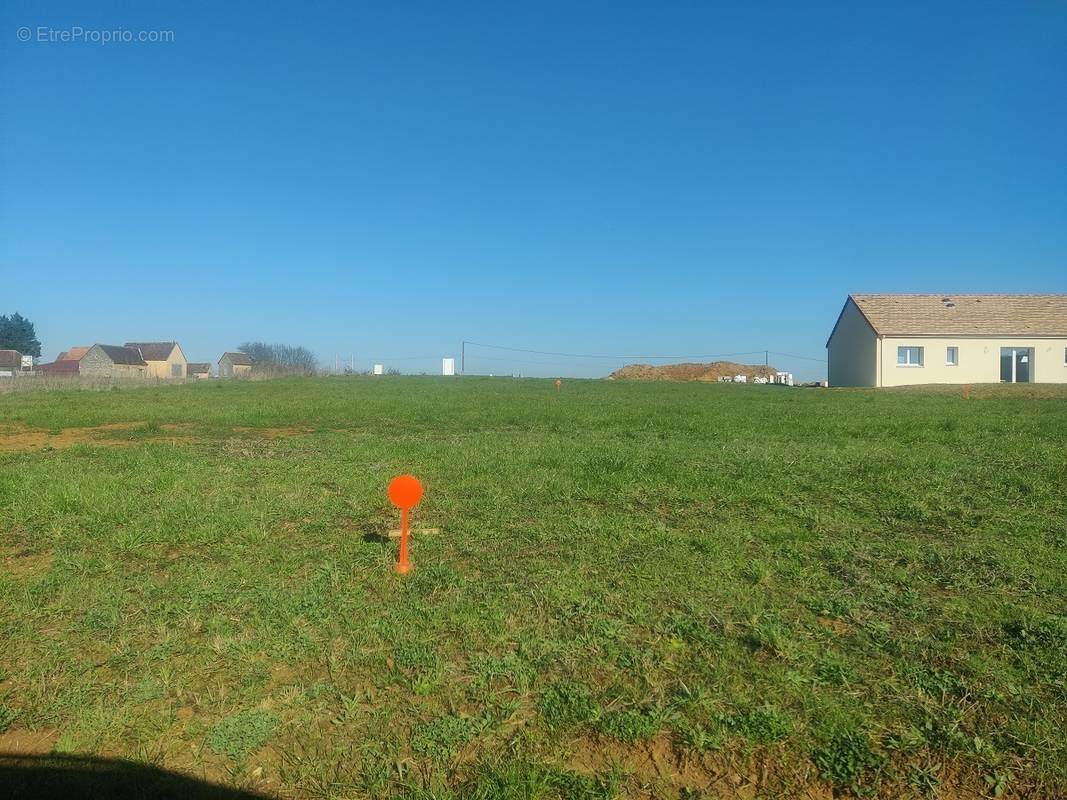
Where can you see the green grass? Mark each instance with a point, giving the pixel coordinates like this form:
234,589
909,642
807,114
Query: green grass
636,588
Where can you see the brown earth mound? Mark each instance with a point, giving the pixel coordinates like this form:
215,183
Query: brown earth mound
691,372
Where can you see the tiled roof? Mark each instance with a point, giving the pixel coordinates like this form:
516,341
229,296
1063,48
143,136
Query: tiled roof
239,359
122,355
196,367
154,351
10,359
73,354
965,314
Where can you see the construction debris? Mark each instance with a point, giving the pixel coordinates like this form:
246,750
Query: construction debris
724,371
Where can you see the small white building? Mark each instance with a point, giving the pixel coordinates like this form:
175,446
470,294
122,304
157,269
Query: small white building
903,339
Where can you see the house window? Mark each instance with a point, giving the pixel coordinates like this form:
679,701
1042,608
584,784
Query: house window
175,370
909,356
952,357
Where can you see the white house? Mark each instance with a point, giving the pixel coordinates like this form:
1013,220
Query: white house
901,339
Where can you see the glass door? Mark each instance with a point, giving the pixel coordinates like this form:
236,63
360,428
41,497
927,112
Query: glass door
1016,364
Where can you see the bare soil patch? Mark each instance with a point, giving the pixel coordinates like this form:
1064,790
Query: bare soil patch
279,432
18,438
22,564
656,769
21,438
22,742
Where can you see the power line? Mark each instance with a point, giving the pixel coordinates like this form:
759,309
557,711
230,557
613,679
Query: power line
803,358
515,361
605,357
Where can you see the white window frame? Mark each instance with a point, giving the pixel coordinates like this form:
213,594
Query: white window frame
952,356
909,364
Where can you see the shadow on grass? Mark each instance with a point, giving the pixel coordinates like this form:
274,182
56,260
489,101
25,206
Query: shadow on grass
41,777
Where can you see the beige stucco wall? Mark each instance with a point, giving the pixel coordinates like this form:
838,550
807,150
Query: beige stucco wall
979,360
851,353
161,369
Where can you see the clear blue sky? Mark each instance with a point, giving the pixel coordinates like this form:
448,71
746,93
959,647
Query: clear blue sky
389,179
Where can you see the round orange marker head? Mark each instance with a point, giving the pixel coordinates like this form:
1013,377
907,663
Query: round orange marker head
405,491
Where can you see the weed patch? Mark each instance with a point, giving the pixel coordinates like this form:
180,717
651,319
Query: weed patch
442,737
565,704
848,761
630,725
242,734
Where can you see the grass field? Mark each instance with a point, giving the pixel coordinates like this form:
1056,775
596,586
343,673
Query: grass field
637,590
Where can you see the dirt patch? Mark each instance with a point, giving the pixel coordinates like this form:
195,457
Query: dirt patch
838,626
280,432
16,437
21,742
656,769
26,563
282,675
178,427
21,438
711,371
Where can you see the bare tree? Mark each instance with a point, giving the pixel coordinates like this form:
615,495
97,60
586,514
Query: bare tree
280,359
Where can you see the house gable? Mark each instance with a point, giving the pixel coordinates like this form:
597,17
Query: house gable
852,349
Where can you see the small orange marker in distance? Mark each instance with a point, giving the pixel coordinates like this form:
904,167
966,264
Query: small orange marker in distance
966,391
558,384
405,492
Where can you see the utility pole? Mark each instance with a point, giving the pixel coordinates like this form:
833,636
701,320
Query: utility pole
766,358
463,358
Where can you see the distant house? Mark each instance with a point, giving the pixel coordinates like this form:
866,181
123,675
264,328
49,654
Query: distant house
163,359
235,365
902,339
74,354
57,367
198,369
112,361
10,363
66,363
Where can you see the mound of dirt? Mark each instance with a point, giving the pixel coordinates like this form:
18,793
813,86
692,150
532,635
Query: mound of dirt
691,372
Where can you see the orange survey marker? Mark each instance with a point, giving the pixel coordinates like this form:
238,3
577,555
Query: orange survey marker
966,391
405,492
558,384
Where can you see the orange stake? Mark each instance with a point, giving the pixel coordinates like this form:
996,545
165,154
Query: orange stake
966,391
405,491
558,384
